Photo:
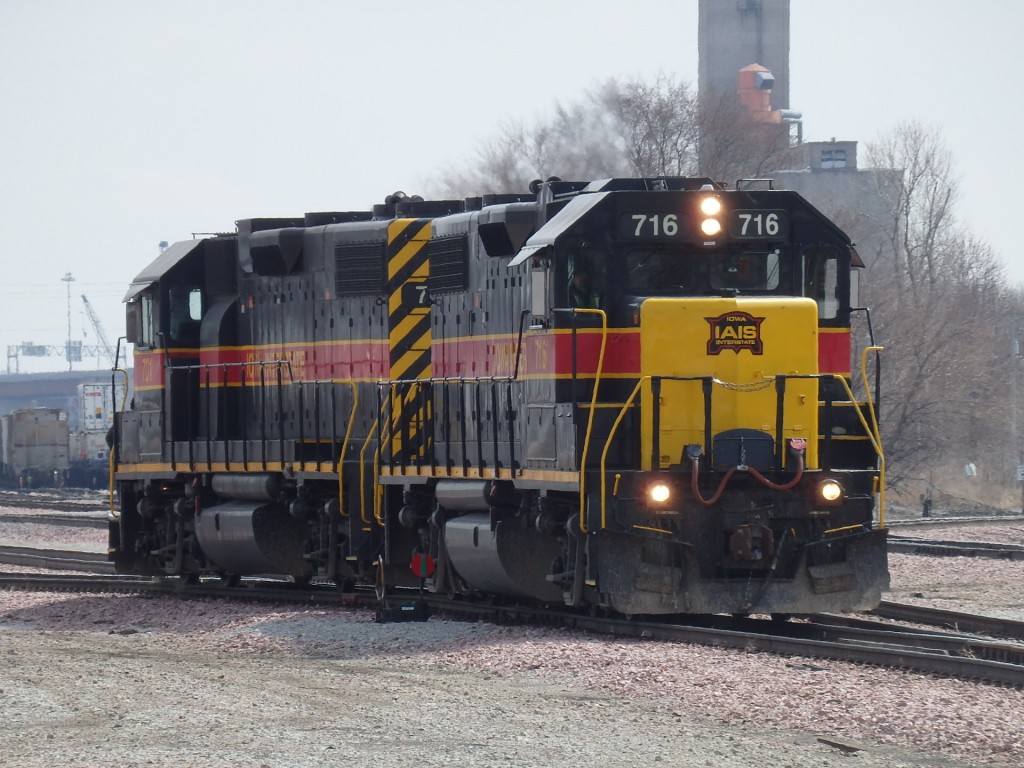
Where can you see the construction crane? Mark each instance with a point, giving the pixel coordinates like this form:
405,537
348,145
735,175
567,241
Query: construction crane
104,346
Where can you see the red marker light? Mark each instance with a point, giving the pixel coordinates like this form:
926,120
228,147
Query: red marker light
422,565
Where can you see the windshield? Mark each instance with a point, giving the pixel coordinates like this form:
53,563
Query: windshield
665,272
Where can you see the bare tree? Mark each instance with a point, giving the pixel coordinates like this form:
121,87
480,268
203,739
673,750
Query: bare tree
922,205
505,162
621,128
941,306
733,145
630,128
657,123
939,374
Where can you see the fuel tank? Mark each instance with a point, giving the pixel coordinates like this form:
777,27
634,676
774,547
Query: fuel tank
245,537
510,560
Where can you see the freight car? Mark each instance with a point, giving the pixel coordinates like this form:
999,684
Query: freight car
90,441
630,395
52,447
35,445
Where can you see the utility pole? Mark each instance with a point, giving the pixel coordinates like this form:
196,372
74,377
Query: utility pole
1015,373
68,279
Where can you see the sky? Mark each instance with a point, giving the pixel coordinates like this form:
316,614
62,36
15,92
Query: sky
126,123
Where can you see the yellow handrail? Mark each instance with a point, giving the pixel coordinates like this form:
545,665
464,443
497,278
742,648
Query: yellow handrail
872,434
362,482
378,491
877,433
113,448
340,469
590,418
608,444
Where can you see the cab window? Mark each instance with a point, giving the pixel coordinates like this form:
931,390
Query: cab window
663,272
147,334
750,271
675,272
186,310
821,282
586,282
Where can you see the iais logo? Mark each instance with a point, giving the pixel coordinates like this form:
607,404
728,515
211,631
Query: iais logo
735,331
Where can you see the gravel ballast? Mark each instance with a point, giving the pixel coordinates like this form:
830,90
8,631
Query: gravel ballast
105,680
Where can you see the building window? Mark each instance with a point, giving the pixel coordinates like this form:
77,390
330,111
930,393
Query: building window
833,158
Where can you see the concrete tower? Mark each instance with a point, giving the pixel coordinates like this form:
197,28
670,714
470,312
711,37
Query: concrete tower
733,34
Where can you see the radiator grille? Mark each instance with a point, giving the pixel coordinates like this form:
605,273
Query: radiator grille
359,269
448,264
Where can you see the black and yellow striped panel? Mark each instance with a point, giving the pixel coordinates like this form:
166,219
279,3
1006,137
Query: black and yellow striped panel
408,302
409,336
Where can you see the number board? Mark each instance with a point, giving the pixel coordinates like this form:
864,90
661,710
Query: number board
758,225
652,226
742,225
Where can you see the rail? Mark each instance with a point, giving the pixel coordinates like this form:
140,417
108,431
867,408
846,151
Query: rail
367,523
112,453
417,416
874,433
420,427
408,418
593,408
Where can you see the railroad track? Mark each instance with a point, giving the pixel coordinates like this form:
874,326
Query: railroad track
56,559
910,545
953,620
73,520
954,521
70,501
947,653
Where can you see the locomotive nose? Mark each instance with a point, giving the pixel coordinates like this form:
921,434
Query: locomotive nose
729,354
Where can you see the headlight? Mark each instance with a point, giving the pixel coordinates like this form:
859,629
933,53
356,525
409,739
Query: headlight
710,206
710,227
659,493
830,491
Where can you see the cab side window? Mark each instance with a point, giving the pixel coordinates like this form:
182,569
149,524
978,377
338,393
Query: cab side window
586,285
821,282
186,311
147,333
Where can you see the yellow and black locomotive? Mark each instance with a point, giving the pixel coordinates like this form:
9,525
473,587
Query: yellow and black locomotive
628,394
